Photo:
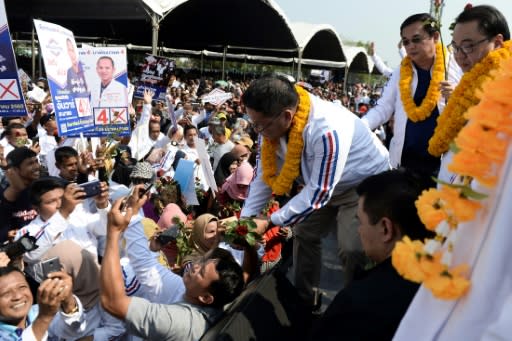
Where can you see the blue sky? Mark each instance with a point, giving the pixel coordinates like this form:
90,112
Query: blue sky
377,20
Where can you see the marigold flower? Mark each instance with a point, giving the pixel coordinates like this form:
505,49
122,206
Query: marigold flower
431,209
464,97
448,285
405,259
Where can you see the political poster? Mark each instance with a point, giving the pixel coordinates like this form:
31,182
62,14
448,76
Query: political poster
154,73
106,75
12,102
217,97
66,79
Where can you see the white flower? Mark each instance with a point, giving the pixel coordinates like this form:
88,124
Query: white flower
432,246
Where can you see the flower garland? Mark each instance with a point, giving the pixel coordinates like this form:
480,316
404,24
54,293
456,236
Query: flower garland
442,210
463,98
282,183
415,113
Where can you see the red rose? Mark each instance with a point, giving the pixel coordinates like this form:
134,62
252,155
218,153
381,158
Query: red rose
242,230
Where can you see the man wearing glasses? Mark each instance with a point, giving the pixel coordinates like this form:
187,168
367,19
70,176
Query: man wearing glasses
416,95
478,31
338,152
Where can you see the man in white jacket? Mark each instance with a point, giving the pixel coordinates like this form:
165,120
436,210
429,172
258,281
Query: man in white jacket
408,147
338,152
110,93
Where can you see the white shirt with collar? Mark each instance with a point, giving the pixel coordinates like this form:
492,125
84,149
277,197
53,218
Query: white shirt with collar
81,227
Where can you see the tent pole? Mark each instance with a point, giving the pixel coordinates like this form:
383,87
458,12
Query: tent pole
202,66
345,80
33,52
224,61
154,38
299,64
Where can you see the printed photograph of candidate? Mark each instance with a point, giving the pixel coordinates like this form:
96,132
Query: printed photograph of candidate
108,92
75,82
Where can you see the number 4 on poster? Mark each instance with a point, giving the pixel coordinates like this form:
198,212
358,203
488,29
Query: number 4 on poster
101,116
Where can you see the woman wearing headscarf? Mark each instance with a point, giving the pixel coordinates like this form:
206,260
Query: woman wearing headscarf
228,163
204,237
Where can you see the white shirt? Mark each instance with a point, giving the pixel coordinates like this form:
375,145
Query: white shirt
217,150
114,94
81,227
157,283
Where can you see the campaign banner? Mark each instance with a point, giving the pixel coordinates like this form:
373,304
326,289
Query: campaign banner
154,73
66,78
12,102
217,97
105,70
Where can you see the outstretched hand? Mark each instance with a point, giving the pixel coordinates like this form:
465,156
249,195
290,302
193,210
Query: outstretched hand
118,219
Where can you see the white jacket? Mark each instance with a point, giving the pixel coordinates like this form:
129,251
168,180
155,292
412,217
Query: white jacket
114,95
339,152
390,103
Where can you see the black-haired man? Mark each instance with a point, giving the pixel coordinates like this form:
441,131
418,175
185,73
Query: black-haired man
211,283
15,208
380,297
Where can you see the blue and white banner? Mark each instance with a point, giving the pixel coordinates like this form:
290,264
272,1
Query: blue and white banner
154,74
66,78
107,78
12,102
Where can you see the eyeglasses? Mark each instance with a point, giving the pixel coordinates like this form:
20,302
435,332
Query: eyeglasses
415,40
466,48
259,129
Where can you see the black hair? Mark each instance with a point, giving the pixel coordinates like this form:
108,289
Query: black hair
42,186
65,152
429,23
270,95
491,22
392,194
7,119
231,280
11,126
18,155
5,270
187,128
105,57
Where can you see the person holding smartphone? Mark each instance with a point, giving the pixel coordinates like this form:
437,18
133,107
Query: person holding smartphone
52,316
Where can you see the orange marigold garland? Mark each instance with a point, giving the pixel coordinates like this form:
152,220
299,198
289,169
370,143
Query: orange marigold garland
442,210
465,95
281,183
415,113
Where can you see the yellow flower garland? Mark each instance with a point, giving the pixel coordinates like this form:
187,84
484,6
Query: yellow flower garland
442,210
464,97
415,113
282,183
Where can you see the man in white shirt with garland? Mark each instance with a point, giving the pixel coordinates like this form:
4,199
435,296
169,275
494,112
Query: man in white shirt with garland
332,151
416,94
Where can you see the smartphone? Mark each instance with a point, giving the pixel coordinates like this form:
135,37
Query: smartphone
91,188
142,192
50,265
145,190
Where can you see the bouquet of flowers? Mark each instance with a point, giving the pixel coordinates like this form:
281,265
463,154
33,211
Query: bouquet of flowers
182,240
241,231
230,208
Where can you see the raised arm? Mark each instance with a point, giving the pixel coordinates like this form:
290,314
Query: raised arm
113,296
